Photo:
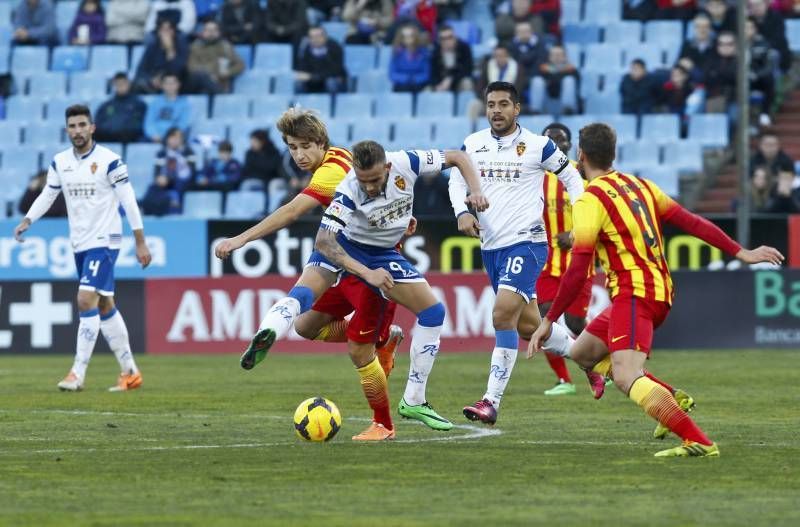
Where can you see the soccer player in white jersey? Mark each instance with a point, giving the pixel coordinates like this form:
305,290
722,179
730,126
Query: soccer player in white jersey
95,182
512,162
359,232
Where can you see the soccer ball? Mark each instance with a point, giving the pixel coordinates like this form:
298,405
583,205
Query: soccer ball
317,419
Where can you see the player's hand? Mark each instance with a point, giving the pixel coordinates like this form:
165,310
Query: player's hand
541,334
468,224
379,278
564,240
760,254
412,227
21,228
143,254
227,246
477,201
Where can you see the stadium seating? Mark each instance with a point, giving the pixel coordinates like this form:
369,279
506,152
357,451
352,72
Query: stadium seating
42,134
435,104
11,132
231,107
394,105
373,81
450,133
605,11
205,204
413,133
581,34
534,123
29,59
604,102
269,106
24,109
88,86
252,82
684,156
663,176
623,33
106,60
339,132
624,125
245,51
244,204
793,34
336,30
69,58
375,129
638,156
359,58
320,102
274,58
354,106
660,128
603,57
48,84
709,130
664,33
283,84
20,163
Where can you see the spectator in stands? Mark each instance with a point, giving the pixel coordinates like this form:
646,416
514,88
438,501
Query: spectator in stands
35,186
676,91
431,196
770,156
214,57
499,66
241,20
168,53
176,161
550,13
89,26
125,20
422,13
784,199
369,20
637,90
771,26
721,75
181,13
285,21
762,68
168,110
511,14
223,173
721,15
643,10
34,22
451,68
559,75
680,9
262,160
320,64
321,10
700,48
760,189
527,48
161,198
410,67
121,118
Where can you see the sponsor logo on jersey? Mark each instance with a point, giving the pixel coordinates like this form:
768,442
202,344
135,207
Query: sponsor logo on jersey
520,148
399,182
482,149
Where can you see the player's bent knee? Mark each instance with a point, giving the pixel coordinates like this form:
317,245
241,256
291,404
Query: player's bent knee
432,316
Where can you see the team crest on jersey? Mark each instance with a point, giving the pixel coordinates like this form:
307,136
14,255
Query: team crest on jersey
520,148
93,167
399,182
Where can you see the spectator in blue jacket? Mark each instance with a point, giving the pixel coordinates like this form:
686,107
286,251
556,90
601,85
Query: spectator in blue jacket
223,173
167,53
410,67
167,110
121,118
35,22
176,161
89,26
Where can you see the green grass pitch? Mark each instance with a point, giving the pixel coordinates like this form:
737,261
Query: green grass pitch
206,443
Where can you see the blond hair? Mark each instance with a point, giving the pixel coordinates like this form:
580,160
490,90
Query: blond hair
303,124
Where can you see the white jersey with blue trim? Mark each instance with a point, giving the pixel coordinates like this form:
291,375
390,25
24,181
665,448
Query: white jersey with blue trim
382,220
87,182
512,170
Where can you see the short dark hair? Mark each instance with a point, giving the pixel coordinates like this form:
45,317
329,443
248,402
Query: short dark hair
639,62
558,126
77,109
262,135
598,142
120,75
225,146
367,154
502,86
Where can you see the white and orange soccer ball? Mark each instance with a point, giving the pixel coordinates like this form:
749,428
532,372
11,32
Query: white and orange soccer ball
317,419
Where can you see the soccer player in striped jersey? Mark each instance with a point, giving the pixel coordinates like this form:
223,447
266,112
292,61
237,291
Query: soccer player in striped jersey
371,324
620,217
94,181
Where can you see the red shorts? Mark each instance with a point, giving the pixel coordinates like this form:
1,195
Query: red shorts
547,287
373,313
628,323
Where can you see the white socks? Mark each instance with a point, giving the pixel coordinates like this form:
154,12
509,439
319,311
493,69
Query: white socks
280,316
424,347
503,360
560,341
116,334
88,328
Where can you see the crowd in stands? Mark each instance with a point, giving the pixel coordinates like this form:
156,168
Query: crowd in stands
193,47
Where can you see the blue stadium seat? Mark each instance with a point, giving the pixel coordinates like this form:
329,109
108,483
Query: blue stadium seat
359,58
269,106
245,204
354,106
575,123
450,133
136,56
321,102
684,156
231,107
275,58
117,148
56,107
10,131
336,30
574,53
141,159
65,14
793,34
435,104
88,86
536,123
463,101
623,32
5,13
70,58
413,133
602,57
339,132
29,59
24,109
252,82
394,105
373,81
214,128
109,59
384,58
283,84
664,33
245,51
48,84
660,128
638,156
709,129
199,105
581,34
604,102
41,134
374,129
612,80
624,125
5,56
570,11
22,161
652,55
665,177
604,12
589,83
203,205
465,30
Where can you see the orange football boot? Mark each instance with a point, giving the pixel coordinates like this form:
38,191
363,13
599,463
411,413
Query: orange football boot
375,432
127,381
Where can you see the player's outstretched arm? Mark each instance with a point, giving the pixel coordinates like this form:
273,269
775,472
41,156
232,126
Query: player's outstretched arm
39,207
460,160
282,217
326,244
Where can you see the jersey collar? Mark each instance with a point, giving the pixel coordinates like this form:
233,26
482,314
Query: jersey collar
87,154
507,140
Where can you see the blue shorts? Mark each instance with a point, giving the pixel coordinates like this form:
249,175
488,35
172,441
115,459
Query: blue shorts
516,268
96,270
373,257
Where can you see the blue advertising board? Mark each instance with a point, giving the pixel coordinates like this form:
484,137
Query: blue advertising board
178,246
